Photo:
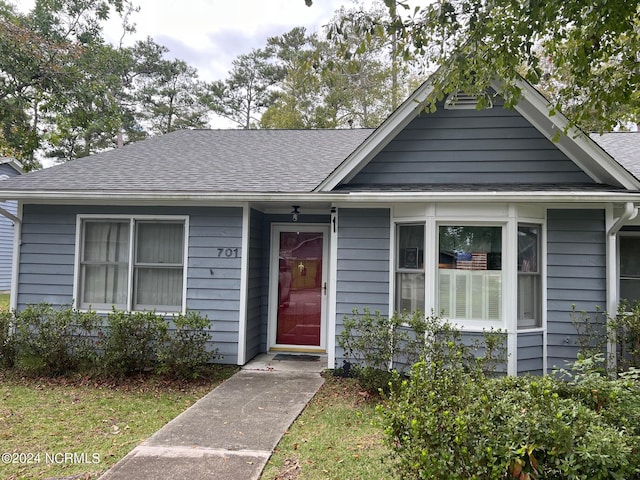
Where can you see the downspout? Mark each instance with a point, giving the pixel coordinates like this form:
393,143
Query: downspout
17,234
630,212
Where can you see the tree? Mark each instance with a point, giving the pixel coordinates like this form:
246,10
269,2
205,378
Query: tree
42,64
248,91
592,48
327,85
295,102
89,117
168,93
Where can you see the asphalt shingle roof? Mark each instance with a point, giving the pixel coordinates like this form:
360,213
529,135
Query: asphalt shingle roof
223,161
624,147
247,161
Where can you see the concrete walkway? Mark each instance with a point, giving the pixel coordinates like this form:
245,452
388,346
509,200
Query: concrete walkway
231,432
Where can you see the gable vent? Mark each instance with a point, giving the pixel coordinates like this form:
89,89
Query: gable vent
462,101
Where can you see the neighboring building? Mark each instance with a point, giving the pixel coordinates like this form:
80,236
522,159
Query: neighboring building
8,168
276,235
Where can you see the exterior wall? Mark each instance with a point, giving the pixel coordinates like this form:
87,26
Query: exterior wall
47,254
576,275
46,269
6,233
362,277
255,329
530,353
213,283
493,146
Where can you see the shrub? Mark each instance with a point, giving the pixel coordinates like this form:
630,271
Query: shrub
625,331
185,351
49,341
7,350
131,342
376,345
449,421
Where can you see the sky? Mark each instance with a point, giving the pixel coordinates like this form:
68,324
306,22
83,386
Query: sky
210,34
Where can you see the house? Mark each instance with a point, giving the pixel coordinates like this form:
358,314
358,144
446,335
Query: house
277,235
8,168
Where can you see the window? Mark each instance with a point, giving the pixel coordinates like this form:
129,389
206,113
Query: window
132,264
529,278
629,267
470,272
410,268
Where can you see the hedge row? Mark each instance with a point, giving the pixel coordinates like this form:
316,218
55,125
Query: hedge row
44,340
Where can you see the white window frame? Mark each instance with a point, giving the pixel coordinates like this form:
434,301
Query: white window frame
540,276
506,264
413,271
132,219
623,233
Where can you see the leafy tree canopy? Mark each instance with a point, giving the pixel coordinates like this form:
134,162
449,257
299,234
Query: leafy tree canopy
583,55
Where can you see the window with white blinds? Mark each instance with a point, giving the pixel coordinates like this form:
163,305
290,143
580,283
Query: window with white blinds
470,272
132,264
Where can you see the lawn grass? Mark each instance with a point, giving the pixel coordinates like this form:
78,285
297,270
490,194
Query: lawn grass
333,438
4,301
99,421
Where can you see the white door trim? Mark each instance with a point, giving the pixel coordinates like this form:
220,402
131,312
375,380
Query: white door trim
276,229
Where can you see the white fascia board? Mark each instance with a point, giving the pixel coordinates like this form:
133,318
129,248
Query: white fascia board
578,146
386,132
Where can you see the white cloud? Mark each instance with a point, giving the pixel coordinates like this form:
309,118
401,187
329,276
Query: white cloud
209,34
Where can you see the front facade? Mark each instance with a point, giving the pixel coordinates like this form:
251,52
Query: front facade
276,236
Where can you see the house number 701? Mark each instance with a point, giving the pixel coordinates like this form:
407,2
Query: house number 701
228,252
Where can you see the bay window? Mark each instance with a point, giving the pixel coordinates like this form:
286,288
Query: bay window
529,277
470,272
410,271
131,263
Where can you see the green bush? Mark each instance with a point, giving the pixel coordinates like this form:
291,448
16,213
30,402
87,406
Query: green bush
451,421
131,341
49,341
7,350
625,332
185,350
375,346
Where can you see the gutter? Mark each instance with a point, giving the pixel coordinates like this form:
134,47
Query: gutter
207,198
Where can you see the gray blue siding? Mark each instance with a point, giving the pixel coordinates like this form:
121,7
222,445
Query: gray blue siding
530,353
47,254
494,146
576,275
213,282
255,329
363,263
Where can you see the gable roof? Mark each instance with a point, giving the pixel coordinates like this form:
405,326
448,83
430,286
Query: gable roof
194,161
576,145
287,165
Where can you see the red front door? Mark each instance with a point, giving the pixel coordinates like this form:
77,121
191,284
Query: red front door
300,288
